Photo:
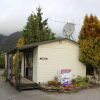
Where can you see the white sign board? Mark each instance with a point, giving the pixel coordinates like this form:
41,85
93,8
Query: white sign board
66,77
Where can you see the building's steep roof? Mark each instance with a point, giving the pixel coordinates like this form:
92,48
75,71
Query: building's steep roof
30,46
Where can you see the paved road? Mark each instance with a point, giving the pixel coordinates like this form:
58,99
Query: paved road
9,93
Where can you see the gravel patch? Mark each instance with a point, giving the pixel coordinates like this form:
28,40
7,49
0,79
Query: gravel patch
8,92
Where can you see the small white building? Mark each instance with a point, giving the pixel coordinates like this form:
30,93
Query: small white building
43,61
52,56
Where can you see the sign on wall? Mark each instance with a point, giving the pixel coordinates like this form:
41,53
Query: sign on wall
66,77
43,58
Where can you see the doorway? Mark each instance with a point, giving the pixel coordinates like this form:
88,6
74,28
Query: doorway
28,64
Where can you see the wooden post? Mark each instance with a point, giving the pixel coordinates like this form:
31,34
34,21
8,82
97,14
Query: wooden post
6,65
11,69
18,74
16,70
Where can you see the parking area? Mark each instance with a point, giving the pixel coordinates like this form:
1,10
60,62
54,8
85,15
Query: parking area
7,92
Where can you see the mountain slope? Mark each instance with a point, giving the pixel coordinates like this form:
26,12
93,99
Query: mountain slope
10,42
2,37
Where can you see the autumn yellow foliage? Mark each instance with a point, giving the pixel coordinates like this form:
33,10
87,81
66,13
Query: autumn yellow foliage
89,41
20,42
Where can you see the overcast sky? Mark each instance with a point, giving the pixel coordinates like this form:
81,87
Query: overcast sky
14,13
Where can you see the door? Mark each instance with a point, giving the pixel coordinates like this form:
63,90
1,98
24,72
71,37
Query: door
28,65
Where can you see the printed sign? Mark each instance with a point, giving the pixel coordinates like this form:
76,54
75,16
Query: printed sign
66,77
43,58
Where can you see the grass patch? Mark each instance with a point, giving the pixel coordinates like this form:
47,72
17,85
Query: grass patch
1,69
3,76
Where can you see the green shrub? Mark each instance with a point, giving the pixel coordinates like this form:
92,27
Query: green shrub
2,61
79,81
83,84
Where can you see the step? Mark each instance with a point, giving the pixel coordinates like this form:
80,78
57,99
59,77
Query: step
33,86
30,88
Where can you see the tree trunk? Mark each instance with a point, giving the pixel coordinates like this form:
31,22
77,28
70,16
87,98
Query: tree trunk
95,72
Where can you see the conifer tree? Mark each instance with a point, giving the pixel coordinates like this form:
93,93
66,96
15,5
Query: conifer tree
36,29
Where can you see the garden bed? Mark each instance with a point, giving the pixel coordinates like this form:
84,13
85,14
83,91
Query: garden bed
78,84
67,89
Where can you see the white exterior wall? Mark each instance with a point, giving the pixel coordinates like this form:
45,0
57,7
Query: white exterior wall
61,55
35,63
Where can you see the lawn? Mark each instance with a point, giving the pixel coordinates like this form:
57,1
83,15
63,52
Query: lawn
2,74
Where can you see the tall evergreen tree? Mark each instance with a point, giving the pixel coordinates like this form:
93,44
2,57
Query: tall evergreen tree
37,29
89,41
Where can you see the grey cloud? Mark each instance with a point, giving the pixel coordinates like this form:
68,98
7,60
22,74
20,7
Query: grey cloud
14,13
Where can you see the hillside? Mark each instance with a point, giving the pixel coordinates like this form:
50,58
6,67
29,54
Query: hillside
9,42
2,37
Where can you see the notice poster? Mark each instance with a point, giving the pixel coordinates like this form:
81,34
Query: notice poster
66,77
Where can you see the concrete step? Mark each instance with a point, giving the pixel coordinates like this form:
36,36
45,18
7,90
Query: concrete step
33,86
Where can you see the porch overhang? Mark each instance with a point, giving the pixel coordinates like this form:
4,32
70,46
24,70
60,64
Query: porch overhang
21,49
